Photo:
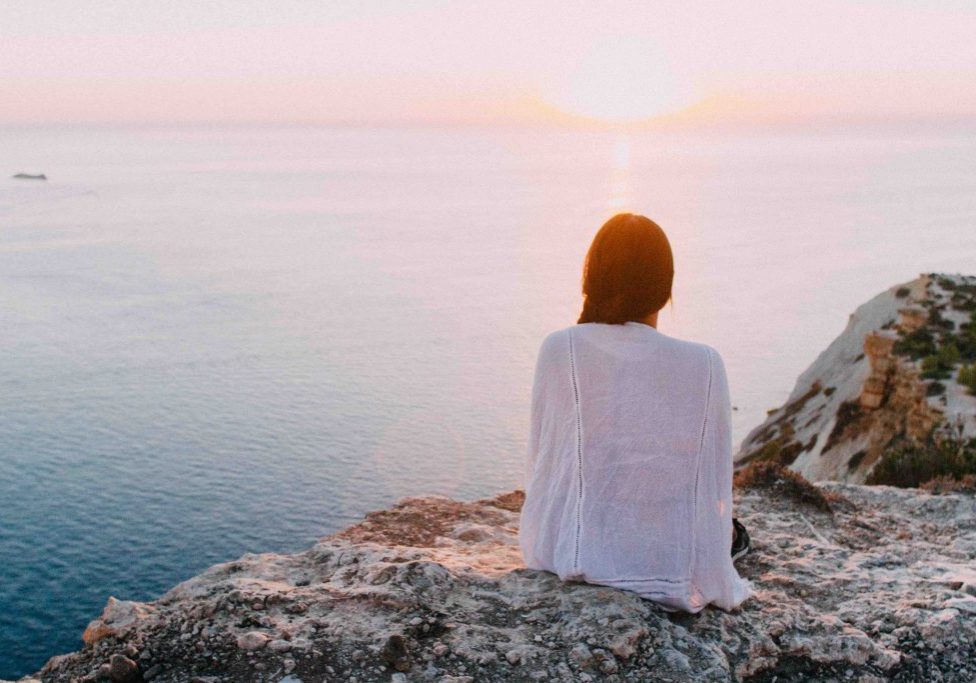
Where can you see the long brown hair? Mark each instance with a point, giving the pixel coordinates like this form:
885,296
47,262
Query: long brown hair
628,271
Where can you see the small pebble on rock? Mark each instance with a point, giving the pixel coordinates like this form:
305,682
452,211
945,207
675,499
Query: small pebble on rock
252,640
123,670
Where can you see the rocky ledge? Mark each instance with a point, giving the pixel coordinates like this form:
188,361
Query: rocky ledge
854,583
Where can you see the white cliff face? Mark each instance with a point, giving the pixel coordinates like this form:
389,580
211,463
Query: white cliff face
868,390
853,583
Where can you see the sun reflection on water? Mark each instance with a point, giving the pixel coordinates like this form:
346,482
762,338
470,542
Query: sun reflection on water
621,190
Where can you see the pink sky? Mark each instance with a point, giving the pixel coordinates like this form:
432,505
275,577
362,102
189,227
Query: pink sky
430,61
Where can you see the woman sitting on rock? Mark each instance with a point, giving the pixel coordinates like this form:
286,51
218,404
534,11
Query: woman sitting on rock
628,479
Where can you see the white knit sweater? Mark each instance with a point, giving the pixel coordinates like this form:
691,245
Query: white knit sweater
628,478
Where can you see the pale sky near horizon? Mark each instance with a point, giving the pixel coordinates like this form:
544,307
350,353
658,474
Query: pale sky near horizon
436,61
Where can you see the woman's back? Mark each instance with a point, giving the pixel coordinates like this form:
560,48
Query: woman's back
628,472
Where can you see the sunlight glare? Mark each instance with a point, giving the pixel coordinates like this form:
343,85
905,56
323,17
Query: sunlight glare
622,79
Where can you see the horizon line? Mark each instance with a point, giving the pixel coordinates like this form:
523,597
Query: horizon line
574,123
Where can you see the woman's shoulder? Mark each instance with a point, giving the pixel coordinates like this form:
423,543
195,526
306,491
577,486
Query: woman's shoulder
554,341
555,336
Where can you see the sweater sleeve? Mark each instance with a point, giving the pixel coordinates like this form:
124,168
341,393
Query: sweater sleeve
716,578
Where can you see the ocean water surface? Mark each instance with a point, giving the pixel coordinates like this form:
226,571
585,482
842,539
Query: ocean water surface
218,341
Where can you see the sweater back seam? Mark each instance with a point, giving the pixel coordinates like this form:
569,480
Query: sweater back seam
579,451
698,468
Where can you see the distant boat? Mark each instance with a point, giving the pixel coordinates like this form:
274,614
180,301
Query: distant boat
30,176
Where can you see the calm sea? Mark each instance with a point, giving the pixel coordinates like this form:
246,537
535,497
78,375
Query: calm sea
217,341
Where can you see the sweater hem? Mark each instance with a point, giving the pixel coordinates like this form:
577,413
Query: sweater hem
670,582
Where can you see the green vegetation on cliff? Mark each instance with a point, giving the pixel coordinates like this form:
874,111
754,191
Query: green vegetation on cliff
911,465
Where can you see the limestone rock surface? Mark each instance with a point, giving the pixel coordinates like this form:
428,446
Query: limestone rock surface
880,586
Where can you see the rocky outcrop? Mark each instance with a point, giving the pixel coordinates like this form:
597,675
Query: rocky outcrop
853,583
889,379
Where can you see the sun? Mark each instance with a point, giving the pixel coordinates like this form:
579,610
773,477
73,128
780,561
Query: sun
623,79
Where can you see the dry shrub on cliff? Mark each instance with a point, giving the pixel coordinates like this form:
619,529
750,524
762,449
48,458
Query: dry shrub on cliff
916,344
910,465
941,364
966,484
785,483
967,377
511,501
848,413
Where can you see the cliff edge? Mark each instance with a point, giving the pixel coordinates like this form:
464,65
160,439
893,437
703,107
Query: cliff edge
853,583
898,381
